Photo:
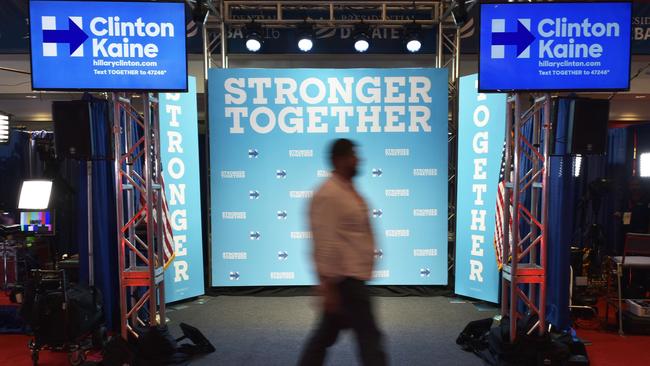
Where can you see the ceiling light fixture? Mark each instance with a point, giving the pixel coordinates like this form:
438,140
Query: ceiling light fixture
305,37
412,37
254,38
361,37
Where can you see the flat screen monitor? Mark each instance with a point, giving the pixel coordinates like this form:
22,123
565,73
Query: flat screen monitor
555,46
37,222
108,45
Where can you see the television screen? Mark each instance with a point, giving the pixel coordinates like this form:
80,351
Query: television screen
37,222
108,45
555,46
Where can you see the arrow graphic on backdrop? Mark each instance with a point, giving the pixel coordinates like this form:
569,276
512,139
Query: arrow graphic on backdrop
425,272
282,215
253,195
254,235
234,276
282,256
522,38
252,153
377,213
379,253
377,173
74,36
280,174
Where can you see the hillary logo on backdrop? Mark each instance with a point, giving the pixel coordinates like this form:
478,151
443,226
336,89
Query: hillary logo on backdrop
521,38
276,126
74,36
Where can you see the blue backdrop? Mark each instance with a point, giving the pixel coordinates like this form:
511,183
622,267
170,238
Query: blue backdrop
481,133
179,150
269,133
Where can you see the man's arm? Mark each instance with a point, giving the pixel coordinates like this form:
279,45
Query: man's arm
323,220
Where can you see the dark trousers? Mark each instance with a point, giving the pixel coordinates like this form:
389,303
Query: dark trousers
356,313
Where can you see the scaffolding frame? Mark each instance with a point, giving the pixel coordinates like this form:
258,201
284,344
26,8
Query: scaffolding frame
218,16
138,196
525,219
448,56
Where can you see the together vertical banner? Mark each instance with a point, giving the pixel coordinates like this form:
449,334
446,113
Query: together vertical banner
179,150
270,131
481,133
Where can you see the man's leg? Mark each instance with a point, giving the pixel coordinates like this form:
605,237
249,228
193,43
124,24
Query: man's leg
322,338
356,301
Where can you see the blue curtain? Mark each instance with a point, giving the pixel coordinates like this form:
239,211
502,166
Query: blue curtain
560,222
560,230
592,200
104,214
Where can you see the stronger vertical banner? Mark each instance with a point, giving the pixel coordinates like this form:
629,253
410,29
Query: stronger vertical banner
179,150
481,132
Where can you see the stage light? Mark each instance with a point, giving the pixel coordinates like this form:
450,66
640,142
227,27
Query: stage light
412,37
459,13
254,37
35,195
361,37
644,165
361,45
4,129
305,37
413,45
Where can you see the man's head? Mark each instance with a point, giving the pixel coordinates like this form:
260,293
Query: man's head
343,157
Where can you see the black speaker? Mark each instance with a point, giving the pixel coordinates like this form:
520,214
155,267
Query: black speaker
72,129
588,120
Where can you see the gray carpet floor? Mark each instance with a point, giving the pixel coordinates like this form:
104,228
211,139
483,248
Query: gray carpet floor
271,330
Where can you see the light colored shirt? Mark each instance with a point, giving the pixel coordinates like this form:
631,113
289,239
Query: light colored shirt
344,245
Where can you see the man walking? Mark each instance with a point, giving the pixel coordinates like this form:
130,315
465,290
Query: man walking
344,256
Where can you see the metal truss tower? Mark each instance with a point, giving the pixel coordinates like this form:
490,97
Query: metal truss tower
138,198
218,16
448,56
525,220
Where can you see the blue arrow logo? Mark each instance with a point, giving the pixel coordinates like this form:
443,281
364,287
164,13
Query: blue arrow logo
234,276
252,153
255,235
253,195
282,215
282,256
379,253
425,272
280,174
73,36
522,38
377,213
377,173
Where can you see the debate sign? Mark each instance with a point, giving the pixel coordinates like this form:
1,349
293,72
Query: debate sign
555,46
481,132
179,150
102,45
270,131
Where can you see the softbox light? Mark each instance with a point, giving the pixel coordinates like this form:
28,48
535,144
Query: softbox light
35,195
